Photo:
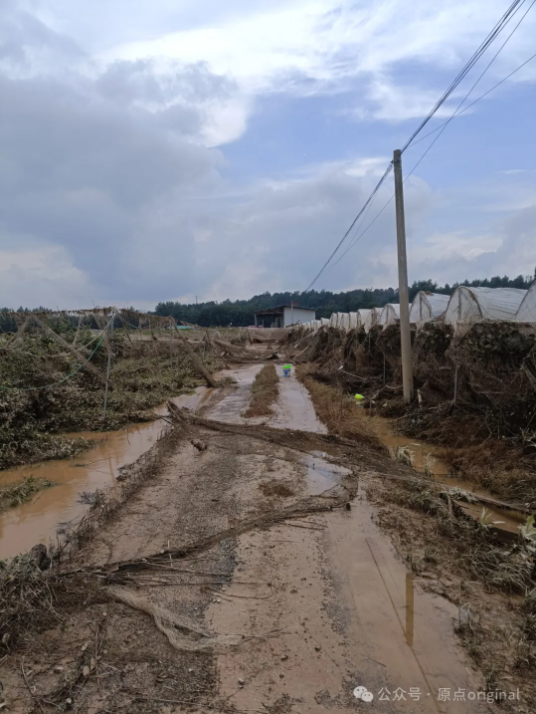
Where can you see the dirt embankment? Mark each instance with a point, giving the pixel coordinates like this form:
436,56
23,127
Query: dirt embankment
475,394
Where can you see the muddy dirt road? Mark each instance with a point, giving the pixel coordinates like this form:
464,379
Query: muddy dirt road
348,612
275,590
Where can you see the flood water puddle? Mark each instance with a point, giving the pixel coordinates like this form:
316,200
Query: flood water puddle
321,474
37,520
424,457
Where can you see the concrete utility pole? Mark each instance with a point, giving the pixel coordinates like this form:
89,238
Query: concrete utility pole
405,331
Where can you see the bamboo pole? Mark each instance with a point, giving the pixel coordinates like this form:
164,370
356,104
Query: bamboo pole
108,365
77,329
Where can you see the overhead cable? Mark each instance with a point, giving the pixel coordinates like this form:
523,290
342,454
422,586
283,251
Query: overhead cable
508,15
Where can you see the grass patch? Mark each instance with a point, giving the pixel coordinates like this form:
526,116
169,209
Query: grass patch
264,392
14,494
337,410
27,445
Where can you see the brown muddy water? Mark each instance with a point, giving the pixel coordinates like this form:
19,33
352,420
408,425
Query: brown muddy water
38,520
425,456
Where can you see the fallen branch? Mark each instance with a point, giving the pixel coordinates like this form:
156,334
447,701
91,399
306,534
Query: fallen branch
198,363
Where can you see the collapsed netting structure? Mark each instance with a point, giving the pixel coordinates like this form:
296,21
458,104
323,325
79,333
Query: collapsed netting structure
83,338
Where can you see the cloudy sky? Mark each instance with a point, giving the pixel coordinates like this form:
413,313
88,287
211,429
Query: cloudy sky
163,149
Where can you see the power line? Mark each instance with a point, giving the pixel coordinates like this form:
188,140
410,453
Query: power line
462,111
367,202
505,19
442,127
508,15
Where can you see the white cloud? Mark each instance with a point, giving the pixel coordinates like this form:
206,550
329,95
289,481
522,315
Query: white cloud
42,277
310,47
111,190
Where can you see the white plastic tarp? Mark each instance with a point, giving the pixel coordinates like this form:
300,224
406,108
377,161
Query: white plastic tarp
389,315
372,318
354,320
324,322
428,306
470,305
527,310
344,321
362,316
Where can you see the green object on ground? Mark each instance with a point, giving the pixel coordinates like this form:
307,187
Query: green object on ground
359,397
287,366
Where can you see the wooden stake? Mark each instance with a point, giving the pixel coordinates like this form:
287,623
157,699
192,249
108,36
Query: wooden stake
197,362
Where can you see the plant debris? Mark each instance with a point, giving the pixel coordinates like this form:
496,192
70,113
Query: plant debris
16,493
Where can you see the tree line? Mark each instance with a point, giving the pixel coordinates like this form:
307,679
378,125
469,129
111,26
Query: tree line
240,313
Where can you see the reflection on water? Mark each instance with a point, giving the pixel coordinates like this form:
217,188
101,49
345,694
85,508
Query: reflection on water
37,521
321,474
423,456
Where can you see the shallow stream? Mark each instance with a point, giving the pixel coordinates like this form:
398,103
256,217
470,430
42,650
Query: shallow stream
425,455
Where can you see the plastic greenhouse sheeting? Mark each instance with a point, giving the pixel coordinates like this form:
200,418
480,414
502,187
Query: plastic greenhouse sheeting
354,320
344,321
428,306
334,319
372,318
362,317
324,322
527,310
389,315
470,305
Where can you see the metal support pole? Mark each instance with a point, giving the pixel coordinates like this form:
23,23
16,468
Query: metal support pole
405,331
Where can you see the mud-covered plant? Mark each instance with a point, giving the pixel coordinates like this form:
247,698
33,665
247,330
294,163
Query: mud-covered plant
486,519
528,439
404,455
528,535
460,494
25,599
428,463
509,571
469,629
424,499
529,602
16,493
529,627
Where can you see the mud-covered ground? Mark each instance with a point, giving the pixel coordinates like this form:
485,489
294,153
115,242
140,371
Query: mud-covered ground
253,568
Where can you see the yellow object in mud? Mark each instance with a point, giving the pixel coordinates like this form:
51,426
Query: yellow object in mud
359,397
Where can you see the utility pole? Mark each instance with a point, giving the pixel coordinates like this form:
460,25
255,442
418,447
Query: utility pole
405,332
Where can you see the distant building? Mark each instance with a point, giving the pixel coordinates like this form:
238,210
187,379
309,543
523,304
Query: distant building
284,316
